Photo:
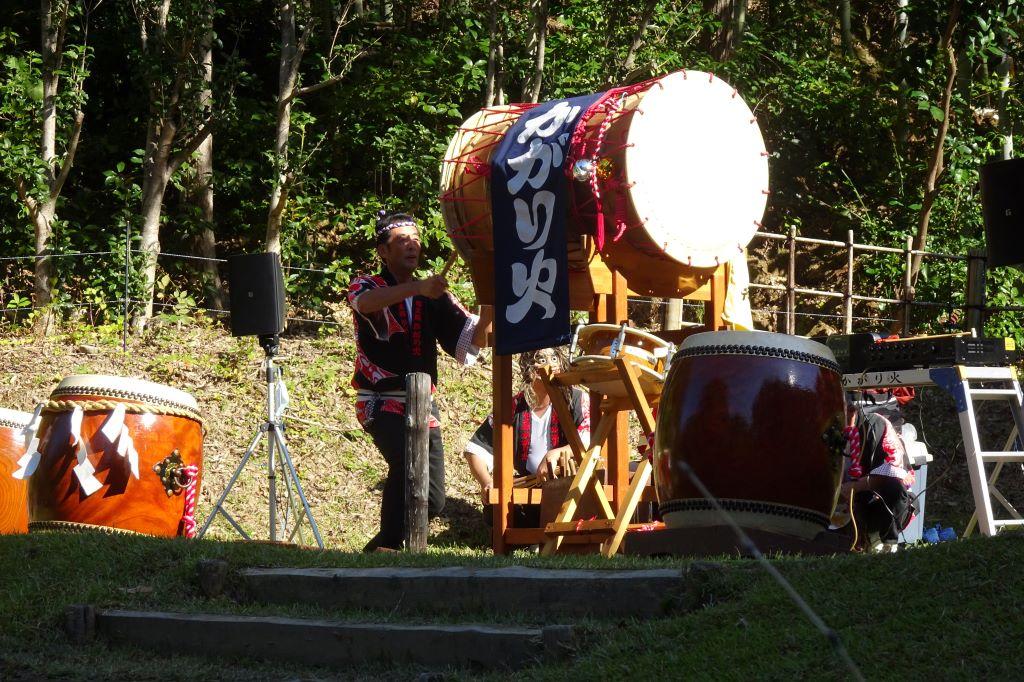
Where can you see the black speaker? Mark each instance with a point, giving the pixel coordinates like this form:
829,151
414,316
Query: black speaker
257,294
1002,204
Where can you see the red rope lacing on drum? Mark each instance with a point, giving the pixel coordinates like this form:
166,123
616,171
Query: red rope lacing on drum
852,434
188,516
583,147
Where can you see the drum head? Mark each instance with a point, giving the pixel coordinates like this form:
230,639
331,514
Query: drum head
127,389
698,162
758,343
13,418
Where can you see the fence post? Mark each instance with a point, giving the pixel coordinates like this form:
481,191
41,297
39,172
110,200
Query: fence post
791,284
417,469
976,275
848,297
908,294
127,270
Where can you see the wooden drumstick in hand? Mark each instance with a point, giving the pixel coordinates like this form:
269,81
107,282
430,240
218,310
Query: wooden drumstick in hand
449,263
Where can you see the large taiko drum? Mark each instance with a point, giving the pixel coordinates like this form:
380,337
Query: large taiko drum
117,453
677,171
759,419
13,492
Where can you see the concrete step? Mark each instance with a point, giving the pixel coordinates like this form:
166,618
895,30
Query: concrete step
329,643
511,590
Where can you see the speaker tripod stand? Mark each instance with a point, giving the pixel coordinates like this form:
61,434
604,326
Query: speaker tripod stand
273,429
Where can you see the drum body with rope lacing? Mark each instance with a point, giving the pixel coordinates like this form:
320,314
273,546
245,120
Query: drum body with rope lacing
117,453
668,179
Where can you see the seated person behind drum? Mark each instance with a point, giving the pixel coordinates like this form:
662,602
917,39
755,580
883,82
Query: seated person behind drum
538,439
880,476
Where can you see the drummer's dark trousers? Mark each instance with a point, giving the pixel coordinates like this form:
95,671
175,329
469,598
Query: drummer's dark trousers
388,432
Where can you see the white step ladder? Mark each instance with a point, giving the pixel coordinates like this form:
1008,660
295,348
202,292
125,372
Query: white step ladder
965,391
962,383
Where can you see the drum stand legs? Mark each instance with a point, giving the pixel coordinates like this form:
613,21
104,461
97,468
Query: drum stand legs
273,429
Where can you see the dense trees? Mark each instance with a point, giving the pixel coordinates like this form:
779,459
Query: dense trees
320,112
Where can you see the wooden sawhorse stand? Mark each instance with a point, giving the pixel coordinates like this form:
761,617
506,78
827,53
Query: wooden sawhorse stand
611,528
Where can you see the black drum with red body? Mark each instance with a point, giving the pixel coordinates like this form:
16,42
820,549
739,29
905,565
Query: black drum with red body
759,419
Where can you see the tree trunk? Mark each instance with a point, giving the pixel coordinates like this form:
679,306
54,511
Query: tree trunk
44,214
720,43
166,119
287,77
844,27
203,185
638,40
937,164
492,57
902,106
156,174
538,37
1005,121
499,84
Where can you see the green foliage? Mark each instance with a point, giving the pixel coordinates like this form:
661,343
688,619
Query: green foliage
850,136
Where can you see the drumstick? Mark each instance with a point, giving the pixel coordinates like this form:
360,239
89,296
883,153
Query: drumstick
449,263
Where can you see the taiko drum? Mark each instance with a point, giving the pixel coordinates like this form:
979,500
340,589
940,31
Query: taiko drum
758,417
13,492
679,181
166,432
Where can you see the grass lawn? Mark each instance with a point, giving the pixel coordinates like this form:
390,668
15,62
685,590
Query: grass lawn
950,611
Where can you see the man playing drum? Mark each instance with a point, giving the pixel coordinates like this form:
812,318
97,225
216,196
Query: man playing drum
539,441
399,321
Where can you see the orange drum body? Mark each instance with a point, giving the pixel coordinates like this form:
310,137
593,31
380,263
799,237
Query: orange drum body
13,492
759,419
673,173
145,493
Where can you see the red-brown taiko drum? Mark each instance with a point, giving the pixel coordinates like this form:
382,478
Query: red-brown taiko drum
758,417
117,453
13,491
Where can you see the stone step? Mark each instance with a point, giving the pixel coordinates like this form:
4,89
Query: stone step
502,591
329,643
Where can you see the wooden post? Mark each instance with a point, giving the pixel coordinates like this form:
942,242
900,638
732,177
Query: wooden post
417,460
714,309
908,286
618,441
673,314
501,400
976,275
791,284
848,296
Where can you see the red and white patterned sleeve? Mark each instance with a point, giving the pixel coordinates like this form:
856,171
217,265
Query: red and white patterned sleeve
465,352
583,426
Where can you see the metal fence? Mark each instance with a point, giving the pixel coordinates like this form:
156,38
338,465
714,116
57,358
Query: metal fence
782,309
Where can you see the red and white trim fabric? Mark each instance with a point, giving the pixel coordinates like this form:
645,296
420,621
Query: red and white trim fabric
465,352
188,517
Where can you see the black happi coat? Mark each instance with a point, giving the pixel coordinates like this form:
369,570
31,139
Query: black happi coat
390,345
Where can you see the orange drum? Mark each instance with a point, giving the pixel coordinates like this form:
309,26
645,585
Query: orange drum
759,419
118,453
595,347
13,492
676,168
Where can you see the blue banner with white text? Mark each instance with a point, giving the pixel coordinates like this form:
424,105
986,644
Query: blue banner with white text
529,197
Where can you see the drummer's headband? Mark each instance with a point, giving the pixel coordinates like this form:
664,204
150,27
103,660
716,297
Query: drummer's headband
386,223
